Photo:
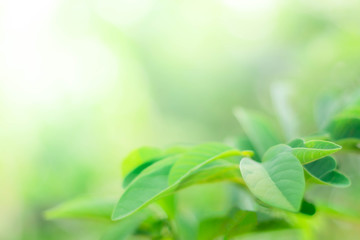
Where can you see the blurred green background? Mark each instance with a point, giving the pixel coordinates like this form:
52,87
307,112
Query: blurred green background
83,82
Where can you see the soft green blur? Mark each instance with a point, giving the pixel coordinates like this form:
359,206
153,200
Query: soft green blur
83,82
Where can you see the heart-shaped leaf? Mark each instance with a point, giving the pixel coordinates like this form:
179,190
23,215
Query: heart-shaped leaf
272,152
312,150
324,171
278,182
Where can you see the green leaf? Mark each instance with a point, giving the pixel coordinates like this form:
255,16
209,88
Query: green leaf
243,142
83,208
150,184
345,128
312,150
135,172
198,157
259,130
138,157
139,169
269,220
153,182
274,151
278,182
351,144
297,142
324,171
322,166
307,208
220,171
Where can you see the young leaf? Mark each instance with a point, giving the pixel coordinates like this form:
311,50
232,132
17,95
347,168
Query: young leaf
324,171
312,150
135,172
198,157
278,182
153,182
83,208
221,171
149,185
345,128
258,129
138,157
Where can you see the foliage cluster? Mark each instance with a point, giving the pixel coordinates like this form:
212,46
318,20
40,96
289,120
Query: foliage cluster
265,179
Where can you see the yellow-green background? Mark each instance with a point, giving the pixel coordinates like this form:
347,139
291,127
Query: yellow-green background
82,82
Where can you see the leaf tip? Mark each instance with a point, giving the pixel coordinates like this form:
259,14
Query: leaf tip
115,216
247,153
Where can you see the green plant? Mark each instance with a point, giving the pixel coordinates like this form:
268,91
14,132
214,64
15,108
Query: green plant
265,179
